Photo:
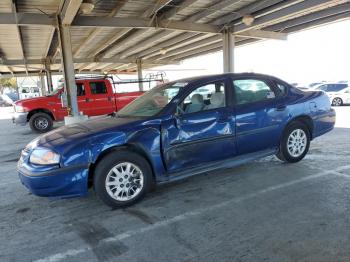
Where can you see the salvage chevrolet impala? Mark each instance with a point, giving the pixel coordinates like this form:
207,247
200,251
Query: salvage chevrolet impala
173,131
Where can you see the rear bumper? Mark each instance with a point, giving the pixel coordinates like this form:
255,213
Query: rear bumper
19,118
58,183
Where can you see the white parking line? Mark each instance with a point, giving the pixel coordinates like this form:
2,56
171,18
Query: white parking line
340,174
73,252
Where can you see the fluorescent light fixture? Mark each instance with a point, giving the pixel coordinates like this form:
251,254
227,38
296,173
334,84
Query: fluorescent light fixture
248,20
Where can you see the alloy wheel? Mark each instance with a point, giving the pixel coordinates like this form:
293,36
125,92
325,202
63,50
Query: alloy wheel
124,181
297,142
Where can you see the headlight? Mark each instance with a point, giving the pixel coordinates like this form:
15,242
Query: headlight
42,156
19,109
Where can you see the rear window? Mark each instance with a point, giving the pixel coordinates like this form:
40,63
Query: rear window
98,88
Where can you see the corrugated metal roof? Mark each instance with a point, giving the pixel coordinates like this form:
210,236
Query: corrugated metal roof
40,42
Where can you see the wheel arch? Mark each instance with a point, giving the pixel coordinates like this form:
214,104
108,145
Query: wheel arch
40,110
125,147
304,119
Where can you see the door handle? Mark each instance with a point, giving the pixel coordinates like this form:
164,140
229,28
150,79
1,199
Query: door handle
87,99
281,107
109,98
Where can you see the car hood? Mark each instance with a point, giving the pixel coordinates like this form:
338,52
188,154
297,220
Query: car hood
32,100
77,132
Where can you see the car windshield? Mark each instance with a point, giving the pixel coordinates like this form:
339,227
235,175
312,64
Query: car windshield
153,101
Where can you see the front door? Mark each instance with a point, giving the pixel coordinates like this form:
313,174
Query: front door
203,129
83,103
260,110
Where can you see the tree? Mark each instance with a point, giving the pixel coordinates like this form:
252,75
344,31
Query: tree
7,82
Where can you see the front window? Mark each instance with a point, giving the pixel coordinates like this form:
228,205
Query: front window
153,101
210,96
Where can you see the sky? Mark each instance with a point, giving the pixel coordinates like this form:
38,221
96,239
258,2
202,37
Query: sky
321,53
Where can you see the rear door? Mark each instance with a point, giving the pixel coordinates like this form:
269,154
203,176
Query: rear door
260,109
101,98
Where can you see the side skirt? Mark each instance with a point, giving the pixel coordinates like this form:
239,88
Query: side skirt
227,163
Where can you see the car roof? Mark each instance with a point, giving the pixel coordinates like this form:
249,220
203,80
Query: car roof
210,77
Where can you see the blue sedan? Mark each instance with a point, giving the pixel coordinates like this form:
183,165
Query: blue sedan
173,131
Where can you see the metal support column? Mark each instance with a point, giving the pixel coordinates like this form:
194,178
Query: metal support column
228,50
139,73
42,84
68,69
48,77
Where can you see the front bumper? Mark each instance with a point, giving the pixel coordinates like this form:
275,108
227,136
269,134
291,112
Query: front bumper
58,182
20,118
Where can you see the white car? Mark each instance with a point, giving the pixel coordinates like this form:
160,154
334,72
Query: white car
340,98
333,90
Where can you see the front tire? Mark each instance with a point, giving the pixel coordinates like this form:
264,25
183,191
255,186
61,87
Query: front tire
40,122
295,143
122,178
337,101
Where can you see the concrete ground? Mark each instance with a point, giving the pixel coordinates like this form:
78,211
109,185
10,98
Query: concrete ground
261,211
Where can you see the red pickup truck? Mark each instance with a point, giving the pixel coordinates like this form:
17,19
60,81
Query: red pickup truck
95,97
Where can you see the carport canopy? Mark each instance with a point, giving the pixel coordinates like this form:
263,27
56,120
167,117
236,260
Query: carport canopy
104,36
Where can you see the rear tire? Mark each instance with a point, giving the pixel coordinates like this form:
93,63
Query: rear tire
337,101
40,122
122,178
295,143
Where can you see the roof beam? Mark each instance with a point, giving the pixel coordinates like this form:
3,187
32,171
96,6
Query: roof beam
248,9
208,11
53,72
69,11
24,19
96,31
146,42
282,13
19,35
114,60
263,34
204,52
195,45
311,20
128,22
339,9
165,44
146,14
180,44
159,5
193,52
167,16
172,12
318,22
